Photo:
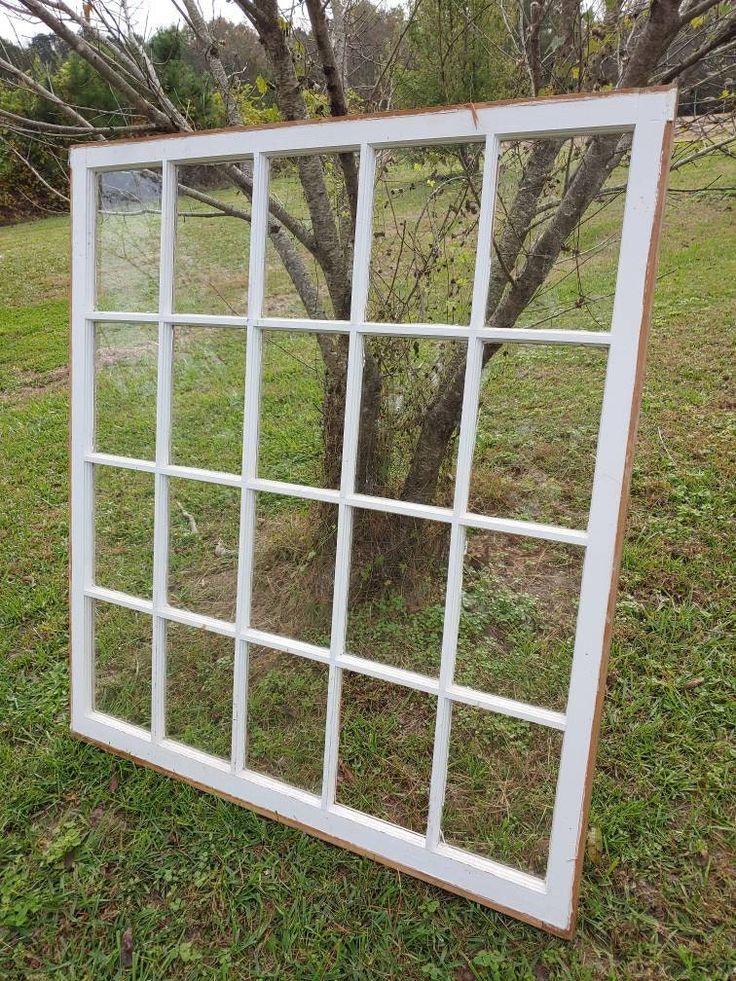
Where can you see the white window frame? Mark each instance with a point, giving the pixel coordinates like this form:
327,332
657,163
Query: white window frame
648,114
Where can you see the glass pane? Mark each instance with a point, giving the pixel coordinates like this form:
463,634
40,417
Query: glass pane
408,445
203,551
294,568
540,410
123,642
128,233
518,617
324,290
124,530
207,398
199,688
398,575
301,411
287,708
125,389
501,782
578,291
425,228
386,743
212,245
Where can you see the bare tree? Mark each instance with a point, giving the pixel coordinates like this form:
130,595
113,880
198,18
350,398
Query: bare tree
556,45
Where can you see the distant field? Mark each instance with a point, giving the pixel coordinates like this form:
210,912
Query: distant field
90,846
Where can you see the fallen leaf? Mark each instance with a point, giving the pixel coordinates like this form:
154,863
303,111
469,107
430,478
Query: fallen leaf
96,816
345,773
594,845
693,683
126,948
114,783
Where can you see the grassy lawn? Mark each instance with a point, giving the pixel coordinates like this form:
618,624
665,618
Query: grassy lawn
92,848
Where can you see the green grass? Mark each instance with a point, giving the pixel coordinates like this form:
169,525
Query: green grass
91,847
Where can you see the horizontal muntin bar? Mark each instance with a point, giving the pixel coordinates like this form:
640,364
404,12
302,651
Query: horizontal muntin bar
206,476
386,672
205,320
395,506
509,335
349,662
516,335
263,638
533,335
303,491
171,470
178,319
528,529
300,323
481,522
118,598
507,706
455,331
409,679
120,462
196,620
118,316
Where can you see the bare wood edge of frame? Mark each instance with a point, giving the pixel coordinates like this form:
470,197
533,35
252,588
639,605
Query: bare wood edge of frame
564,934
389,114
650,281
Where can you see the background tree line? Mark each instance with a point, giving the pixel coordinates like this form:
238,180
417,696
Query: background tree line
429,52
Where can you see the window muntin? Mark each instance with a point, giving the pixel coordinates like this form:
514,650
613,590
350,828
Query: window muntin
172,740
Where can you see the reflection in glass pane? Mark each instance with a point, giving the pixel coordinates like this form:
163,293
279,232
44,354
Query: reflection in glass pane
501,783
199,688
128,232
123,642
396,604
403,380
301,420
294,568
204,523
333,178
212,245
287,709
425,228
577,294
386,743
208,389
518,617
125,389
124,530
540,409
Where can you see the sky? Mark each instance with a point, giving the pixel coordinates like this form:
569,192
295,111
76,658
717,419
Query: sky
148,15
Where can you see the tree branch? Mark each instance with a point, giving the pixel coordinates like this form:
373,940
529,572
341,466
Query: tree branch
43,126
335,93
726,33
114,78
29,82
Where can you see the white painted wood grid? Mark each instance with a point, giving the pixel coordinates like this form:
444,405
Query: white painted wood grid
549,900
